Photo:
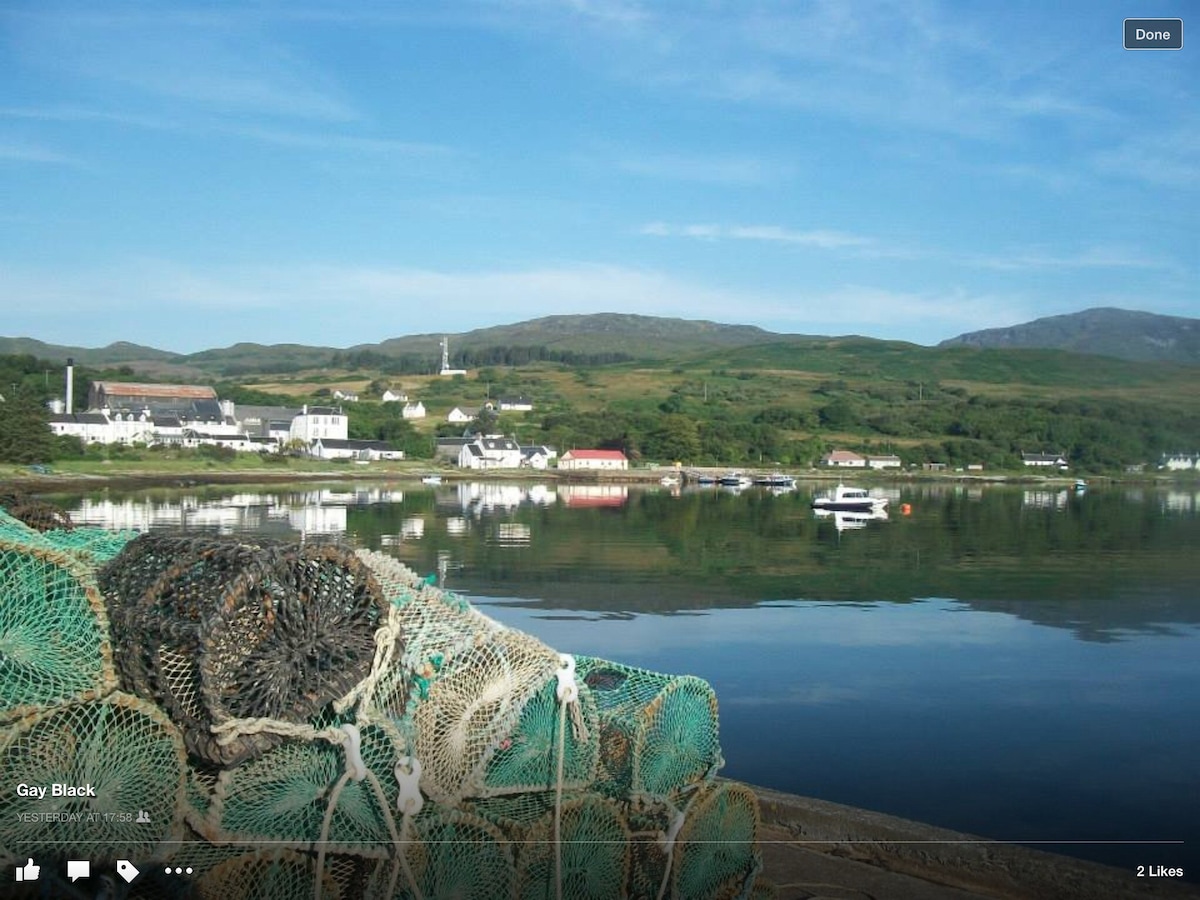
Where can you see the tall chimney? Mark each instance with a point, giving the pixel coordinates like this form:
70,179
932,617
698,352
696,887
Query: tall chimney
70,385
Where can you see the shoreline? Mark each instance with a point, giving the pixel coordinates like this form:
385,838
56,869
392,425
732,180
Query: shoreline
29,481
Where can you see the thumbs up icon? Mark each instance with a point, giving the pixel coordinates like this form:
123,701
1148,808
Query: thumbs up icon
28,872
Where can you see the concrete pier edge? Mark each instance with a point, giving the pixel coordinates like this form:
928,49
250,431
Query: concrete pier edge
870,854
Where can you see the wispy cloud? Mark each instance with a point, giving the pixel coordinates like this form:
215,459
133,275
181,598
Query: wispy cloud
330,140
213,64
861,246
823,239
1169,159
1101,257
24,152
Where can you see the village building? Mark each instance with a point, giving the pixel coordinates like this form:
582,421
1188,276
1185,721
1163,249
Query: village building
315,422
390,396
413,410
844,459
342,448
192,403
593,460
537,456
1044,460
883,462
515,404
462,414
490,452
1180,462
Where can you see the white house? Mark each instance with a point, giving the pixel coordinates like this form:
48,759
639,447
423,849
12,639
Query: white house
193,438
490,452
883,462
1044,460
341,448
319,422
844,459
515,404
346,396
1180,462
461,414
390,396
537,457
91,428
595,460
413,410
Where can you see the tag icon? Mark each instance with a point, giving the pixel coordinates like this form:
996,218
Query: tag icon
127,870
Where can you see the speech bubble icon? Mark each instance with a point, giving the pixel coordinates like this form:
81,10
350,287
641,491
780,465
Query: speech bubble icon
78,868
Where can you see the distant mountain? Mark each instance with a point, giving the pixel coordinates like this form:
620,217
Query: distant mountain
120,353
641,337
1137,336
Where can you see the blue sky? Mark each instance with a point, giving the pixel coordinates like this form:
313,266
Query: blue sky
194,175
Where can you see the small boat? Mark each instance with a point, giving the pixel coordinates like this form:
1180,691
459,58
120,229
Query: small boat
1080,485
669,481
776,480
431,479
849,499
705,480
735,480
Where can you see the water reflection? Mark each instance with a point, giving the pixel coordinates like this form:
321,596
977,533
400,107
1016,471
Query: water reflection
844,520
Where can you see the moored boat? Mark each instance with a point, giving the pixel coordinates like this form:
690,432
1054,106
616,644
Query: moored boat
849,499
431,479
734,479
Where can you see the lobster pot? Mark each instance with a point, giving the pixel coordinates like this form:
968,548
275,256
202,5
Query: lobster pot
282,797
455,855
54,640
716,853
216,629
37,515
658,733
124,748
490,724
595,852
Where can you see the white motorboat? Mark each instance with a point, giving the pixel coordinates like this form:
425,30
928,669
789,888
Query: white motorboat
849,499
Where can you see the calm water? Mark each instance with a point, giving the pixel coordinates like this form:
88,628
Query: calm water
1021,664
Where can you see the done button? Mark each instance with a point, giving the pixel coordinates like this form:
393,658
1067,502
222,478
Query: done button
1154,34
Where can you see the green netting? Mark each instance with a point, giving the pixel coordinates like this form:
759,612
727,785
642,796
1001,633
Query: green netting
92,545
129,754
594,853
715,853
282,796
54,645
458,856
658,732
217,629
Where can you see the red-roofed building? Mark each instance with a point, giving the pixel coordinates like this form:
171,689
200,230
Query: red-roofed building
593,460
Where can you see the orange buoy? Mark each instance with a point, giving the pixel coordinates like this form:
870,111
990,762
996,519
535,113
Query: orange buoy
905,509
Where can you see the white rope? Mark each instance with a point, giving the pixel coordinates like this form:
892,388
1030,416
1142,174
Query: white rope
667,840
567,693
